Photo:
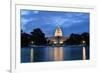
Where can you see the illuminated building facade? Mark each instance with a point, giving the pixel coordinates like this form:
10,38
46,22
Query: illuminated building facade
58,37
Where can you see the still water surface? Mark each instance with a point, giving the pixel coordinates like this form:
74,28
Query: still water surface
47,53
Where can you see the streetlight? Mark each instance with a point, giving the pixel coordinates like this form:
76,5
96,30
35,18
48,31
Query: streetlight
83,42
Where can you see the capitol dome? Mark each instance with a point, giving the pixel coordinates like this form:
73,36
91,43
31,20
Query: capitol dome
58,32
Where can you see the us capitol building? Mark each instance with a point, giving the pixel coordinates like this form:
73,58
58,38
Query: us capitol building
58,37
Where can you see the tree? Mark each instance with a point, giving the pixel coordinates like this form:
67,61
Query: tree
38,37
25,39
76,39
85,37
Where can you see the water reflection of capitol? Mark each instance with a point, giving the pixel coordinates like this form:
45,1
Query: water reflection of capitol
58,37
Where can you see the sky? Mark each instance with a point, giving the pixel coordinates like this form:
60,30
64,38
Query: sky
47,21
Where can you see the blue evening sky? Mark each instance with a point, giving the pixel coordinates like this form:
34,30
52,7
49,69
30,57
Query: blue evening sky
47,21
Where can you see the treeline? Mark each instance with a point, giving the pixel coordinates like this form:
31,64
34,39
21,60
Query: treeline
37,37
77,39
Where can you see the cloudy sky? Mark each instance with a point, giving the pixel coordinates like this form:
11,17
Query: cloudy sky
47,21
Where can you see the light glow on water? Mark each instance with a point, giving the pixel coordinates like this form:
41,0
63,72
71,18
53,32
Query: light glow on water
58,54
43,54
84,53
31,55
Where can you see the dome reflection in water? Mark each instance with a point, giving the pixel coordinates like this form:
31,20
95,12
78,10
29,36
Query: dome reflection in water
45,54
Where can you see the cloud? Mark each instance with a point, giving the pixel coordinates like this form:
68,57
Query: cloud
67,22
47,21
35,11
59,20
54,20
25,12
25,22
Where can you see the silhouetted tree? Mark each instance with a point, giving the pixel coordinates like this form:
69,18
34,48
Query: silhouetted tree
85,37
76,39
38,37
25,39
